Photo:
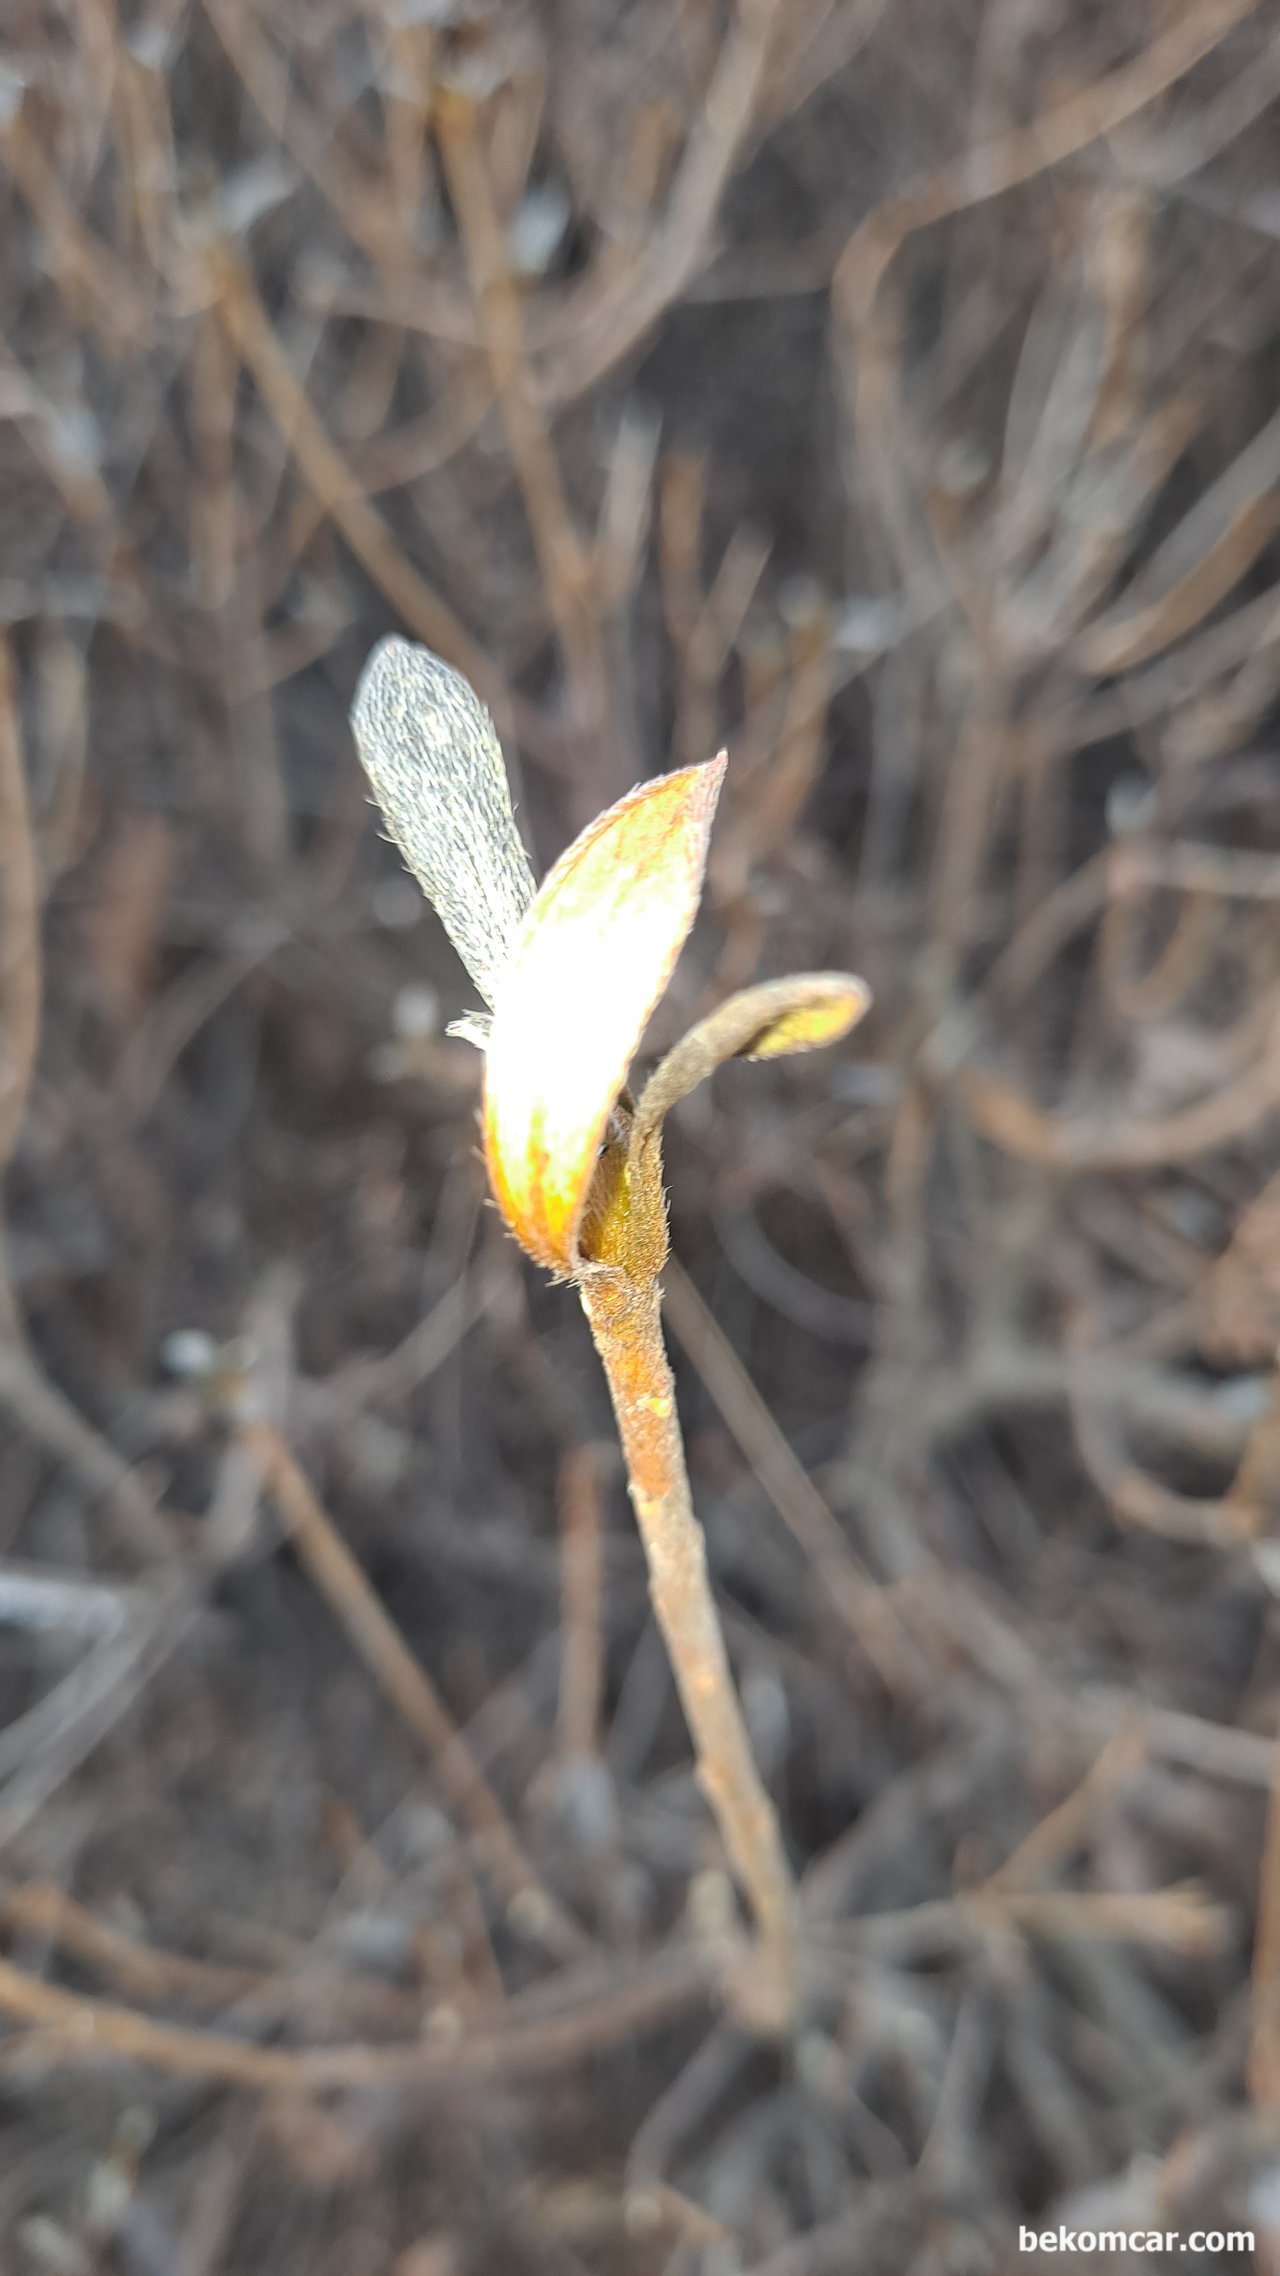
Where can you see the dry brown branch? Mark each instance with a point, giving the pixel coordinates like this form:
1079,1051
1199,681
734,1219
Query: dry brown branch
969,817
42,1749
137,1969
1242,1294
992,170
682,486
146,1531
868,361
1144,993
365,209
817,50
567,569
1201,561
1231,874
860,1603
1255,1488
802,738
20,963
336,487
143,1972
1058,1141
72,2032
602,324
1136,1498
582,1610
1050,1842
78,482
1181,1918
96,284
711,634
1264,2052
415,1359
409,1689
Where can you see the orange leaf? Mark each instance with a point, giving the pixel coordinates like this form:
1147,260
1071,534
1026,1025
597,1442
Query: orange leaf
594,955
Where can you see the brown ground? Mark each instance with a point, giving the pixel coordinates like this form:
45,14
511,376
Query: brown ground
888,391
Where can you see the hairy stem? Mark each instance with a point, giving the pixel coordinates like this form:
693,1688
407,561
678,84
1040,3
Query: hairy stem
624,1318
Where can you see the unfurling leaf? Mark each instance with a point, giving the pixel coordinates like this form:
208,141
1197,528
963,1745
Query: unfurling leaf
430,751
800,1013
593,956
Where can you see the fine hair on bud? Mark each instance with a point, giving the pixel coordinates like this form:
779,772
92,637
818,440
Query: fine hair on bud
432,755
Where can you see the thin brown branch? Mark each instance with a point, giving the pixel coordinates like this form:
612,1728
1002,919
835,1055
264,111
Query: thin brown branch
1264,2054
869,363
567,569
337,488
20,961
992,169
144,1972
409,1689
606,322
624,1317
1181,1918
853,1591
147,1532
582,1588
75,2032
1010,1119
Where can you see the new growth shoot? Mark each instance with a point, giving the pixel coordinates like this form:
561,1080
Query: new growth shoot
570,973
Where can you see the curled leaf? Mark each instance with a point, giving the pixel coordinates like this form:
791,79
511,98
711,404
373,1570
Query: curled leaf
799,1013
593,956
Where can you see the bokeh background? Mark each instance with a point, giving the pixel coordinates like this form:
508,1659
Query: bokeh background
888,390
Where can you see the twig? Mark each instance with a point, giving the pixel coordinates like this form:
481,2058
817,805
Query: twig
40,1910
563,557
364,209
50,1603
581,1615
336,487
20,963
1181,1918
992,169
1015,1122
1050,1841
1213,1751
617,316
624,1318
150,1533
406,1685
43,1747
1264,2054
141,1971
711,636
416,1358
807,1517
802,737
75,2031
988,171
1234,874
94,282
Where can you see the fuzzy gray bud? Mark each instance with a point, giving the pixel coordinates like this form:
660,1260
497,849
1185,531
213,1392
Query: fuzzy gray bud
431,752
